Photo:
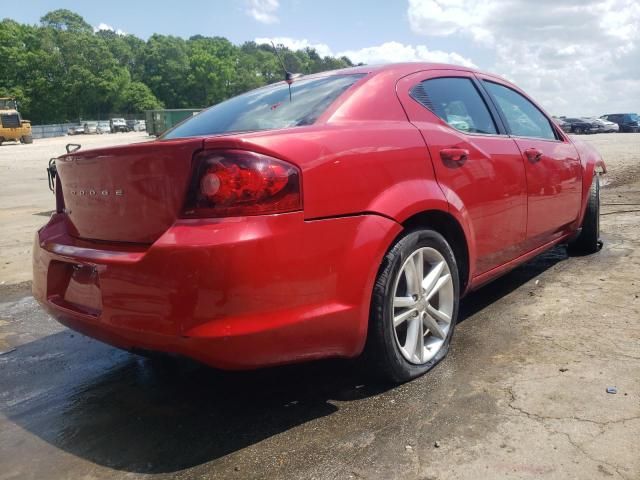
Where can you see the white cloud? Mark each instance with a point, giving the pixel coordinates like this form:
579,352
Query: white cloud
106,26
579,57
263,11
390,52
387,52
434,17
296,44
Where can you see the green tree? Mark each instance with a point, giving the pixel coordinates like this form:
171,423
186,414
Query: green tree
61,70
137,97
165,68
63,19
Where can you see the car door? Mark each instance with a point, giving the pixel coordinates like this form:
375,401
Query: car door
552,164
479,168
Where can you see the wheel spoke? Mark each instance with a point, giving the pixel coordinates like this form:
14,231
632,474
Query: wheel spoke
433,326
420,342
439,284
419,263
403,302
402,317
438,315
412,334
413,284
433,276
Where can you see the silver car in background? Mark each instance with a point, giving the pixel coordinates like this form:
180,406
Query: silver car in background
76,130
604,126
90,127
104,127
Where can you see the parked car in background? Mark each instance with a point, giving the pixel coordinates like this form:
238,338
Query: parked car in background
91,127
579,125
627,122
104,127
566,127
118,125
606,125
76,130
347,211
136,125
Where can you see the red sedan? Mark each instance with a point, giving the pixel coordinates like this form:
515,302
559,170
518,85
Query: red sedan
348,213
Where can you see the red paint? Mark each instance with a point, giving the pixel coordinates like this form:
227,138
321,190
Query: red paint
124,264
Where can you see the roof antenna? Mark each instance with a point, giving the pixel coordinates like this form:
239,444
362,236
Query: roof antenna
288,76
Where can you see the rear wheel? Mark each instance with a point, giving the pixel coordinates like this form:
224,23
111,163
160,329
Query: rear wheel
588,240
414,307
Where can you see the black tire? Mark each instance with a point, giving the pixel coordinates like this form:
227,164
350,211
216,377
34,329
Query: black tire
588,240
382,356
27,139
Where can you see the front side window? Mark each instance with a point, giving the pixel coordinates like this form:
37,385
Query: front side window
522,116
456,101
268,108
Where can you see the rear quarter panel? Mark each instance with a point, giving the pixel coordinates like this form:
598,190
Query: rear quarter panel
592,163
354,167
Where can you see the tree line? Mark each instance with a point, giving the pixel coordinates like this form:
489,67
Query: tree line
61,70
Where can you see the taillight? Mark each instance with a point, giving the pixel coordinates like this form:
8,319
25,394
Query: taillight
237,182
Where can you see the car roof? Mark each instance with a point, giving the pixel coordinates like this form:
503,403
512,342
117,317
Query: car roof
405,68
400,69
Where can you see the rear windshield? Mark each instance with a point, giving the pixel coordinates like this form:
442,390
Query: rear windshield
267,108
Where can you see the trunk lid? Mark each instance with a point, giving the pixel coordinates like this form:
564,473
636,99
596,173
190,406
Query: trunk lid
131,193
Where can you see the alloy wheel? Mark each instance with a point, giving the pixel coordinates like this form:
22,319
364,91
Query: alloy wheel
423,303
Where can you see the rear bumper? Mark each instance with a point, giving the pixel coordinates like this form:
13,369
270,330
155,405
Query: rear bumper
232,293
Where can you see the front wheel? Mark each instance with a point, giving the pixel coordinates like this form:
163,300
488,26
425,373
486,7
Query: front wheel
27,139
414,307
588,240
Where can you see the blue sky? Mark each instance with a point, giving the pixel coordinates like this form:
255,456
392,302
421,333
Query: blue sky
361,24
577,57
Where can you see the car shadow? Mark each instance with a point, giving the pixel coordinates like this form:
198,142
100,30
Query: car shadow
138,415
476,301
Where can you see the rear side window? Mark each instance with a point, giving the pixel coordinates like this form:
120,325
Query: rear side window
522,116
268,108
456,101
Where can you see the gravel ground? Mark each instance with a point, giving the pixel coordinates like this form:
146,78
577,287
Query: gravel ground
523,393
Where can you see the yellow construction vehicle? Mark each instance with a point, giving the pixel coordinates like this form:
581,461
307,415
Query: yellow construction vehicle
12,126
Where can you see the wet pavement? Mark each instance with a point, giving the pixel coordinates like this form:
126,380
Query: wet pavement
74,408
